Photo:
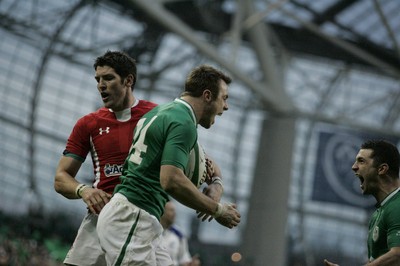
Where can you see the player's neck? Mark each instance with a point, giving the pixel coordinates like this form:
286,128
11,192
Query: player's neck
127,104
196,104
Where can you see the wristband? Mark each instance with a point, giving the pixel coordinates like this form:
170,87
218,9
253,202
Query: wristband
79,189
217,180
220,210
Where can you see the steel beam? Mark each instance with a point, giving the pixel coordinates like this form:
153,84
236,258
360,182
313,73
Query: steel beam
157,12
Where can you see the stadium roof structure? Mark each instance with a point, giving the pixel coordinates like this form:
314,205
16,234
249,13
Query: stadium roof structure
359,34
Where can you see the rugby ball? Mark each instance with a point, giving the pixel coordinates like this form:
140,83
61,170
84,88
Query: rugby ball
196,169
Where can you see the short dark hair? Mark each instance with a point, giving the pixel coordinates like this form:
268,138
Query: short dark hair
384,152
121,62
204,77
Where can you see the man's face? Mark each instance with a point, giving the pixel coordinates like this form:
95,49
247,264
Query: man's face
364,168
114,91
216,107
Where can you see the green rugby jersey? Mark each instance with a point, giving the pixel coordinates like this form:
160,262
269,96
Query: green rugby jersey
384,227
163,136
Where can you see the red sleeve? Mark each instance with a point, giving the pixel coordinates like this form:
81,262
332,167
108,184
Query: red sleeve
78,144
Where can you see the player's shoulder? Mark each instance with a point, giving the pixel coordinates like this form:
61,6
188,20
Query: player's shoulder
102,111
171,112
390,209
146,104
394,202
143,107
179,108
176,231
92,117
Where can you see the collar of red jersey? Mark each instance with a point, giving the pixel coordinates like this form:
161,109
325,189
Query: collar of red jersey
125,114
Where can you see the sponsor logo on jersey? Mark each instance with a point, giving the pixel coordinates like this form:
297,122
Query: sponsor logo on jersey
113,169
375,233
106,131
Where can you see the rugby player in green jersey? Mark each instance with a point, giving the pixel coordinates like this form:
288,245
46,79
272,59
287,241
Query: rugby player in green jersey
128,226
377,167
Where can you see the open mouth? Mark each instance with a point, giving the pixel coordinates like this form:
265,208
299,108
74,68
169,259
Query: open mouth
104,96
361,180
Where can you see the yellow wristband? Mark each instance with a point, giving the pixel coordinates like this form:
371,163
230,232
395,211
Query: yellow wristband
79,189
219,211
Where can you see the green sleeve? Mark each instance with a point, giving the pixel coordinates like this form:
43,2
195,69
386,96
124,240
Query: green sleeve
180,140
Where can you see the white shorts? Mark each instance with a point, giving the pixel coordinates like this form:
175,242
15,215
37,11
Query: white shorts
86,249
130,235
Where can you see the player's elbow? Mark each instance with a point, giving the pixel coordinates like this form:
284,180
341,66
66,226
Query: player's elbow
58,187
169,178
168,183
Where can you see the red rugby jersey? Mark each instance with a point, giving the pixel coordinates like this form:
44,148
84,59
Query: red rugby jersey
107,135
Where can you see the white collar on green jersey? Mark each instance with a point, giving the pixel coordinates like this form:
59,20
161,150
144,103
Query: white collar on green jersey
189,107
389,196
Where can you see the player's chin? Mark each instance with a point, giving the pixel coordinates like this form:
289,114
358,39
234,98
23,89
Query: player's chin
107,104
205,125
211,122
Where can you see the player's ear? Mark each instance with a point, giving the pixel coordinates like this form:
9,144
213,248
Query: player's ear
129,80
383,168
207,95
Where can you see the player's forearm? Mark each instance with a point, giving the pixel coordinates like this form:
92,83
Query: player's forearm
64,180
175,183
215,186
214,191
388,259
66,185
187,194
